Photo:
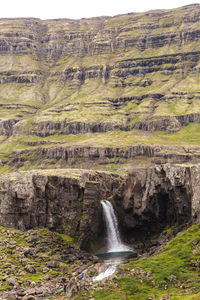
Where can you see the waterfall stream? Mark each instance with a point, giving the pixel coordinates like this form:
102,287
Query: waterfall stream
116,248
114,242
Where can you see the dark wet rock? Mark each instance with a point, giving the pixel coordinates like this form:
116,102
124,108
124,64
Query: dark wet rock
155,197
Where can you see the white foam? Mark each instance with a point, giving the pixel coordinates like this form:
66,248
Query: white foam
114,242
108,272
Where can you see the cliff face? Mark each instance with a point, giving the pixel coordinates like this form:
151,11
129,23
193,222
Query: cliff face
68,201
147,200
82,156
105,92
155,197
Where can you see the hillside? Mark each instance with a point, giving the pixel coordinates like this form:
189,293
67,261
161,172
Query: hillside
108,81
106,108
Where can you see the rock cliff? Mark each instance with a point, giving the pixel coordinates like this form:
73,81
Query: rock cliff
64,200
156,197
146,200
109,93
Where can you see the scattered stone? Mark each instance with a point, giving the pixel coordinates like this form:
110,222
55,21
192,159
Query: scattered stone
172,278
33,284
30,269
54,264
34,238
45,270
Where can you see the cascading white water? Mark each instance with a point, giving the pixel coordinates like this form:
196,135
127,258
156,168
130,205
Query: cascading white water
114,242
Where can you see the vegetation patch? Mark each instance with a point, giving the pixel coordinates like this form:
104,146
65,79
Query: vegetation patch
172,273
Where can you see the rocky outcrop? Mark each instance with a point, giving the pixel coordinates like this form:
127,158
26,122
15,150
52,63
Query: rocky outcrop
68,201
146,200
6,126
91,156
116,69
156,197
34,252
167,123
48,128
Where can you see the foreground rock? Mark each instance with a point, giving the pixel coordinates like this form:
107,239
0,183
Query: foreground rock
33,263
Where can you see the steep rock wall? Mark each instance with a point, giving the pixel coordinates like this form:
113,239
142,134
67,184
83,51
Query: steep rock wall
146,200
91,156
67,201
100,74
155,197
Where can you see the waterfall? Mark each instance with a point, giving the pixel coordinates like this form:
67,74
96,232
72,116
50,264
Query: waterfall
114,242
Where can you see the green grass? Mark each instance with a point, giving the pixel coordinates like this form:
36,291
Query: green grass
176,259
188,135
172,272
58,99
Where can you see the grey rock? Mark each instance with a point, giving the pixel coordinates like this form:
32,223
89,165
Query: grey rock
30,269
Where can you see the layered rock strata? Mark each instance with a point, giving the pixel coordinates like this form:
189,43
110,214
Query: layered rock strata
91,157
100,74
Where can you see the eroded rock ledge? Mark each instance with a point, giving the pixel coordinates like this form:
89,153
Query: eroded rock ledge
91,156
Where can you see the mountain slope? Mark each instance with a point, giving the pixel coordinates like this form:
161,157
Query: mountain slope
113,81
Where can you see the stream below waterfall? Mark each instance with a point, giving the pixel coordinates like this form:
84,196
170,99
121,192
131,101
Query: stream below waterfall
116,252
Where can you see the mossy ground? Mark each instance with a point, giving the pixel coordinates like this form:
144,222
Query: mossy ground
13,244
12,148
173,272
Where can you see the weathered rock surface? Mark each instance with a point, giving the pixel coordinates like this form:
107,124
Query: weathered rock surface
91,156
168,123
83,74
44,129
68,201
27,254
155,197
146,200
6,126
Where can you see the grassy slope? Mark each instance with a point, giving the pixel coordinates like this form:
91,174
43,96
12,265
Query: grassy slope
174,271
55,99
50,93
188,137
